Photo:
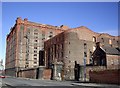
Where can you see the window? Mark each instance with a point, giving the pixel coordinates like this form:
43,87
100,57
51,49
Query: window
94,48
35,40
51,32
27,63
34,66
110,41
35,33
90,54
36,30
29,32
85,46
35,51
42,45
62,46
35,54
55,50
117,43
62,54
94,39
35,44
26,66
102,39
36,37
21,27
35,58
91,61
56,39
58,55
35,62
50,36
43,38
28,40
102,62
35,47
69,61
85,54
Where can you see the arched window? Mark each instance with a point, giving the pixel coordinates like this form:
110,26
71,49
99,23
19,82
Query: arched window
91,61
94,48
110,41
102,39
94,39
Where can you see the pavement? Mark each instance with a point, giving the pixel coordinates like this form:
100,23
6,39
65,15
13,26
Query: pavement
96,85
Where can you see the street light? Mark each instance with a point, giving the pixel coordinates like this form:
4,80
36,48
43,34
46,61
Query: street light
84,68
1,67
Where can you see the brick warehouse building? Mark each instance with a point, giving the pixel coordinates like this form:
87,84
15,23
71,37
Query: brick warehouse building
77,44
25,44
28,42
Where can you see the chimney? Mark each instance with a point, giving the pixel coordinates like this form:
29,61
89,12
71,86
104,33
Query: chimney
25,19
64,27
97,44
18,20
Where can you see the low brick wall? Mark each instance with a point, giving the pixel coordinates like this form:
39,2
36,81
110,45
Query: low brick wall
28,73
35,73
106,76
47,74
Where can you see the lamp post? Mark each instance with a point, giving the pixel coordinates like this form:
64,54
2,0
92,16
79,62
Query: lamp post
84,68
1,67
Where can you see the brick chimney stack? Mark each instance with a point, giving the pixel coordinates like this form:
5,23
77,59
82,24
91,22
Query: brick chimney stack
25,19
97,44
18,20
64,27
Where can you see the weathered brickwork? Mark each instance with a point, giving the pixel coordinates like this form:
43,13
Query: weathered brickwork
76,44
47,74
25,41
108,76
31,45
113,61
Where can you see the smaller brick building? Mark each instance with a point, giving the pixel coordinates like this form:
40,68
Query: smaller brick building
66,48
77,44
106,56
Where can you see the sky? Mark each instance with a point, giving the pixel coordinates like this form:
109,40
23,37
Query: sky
60,0
100,17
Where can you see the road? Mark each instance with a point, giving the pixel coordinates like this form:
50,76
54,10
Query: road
11,82
19,82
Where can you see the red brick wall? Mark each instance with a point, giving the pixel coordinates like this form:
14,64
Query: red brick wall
47,74
29,73
107,76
